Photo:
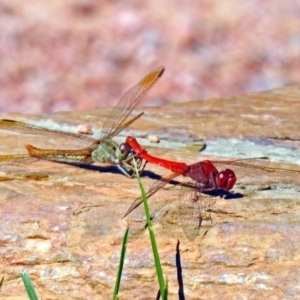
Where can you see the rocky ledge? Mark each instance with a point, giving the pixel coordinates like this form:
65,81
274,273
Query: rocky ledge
66,230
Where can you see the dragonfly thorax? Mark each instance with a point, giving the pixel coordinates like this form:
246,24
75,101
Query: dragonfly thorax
107,152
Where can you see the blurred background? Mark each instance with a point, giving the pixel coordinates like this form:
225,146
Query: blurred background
82,54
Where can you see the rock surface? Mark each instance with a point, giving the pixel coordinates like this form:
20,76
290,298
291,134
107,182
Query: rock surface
66,231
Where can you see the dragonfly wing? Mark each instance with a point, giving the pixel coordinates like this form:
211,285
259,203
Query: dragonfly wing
193,208
114,123
16,158
26,128
136,214
189,210
136,203
127,124
25,176
137,220
159,184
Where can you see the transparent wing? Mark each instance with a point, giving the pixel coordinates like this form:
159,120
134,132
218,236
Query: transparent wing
21,127
25,176
16,158
153,189
189,210
137,219
193,208
127,124
114,123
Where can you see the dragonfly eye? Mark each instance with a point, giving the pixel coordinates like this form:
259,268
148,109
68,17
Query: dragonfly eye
226,180
125,149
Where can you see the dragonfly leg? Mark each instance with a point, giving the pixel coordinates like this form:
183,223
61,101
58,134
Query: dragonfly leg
128,170
141,164
127,164
124,171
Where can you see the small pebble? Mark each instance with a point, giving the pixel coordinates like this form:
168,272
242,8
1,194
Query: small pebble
153,139
84,129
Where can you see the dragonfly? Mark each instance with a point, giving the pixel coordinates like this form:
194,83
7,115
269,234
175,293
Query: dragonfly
204,177
103,150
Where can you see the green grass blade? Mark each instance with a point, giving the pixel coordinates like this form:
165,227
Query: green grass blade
165,296
159,272
29,287
121,264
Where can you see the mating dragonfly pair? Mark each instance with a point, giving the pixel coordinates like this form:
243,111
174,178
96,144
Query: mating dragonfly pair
204,176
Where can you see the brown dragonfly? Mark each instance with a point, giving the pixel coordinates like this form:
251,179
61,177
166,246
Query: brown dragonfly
103,150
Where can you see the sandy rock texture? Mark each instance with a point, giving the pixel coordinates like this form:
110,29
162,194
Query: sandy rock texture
66,231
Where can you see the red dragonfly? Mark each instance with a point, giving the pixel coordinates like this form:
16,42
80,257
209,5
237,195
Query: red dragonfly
205,177
103,150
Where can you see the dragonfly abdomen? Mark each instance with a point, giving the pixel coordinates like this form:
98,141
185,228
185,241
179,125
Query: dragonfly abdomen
83,156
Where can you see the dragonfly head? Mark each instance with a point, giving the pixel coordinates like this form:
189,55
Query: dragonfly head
125,151
118,153
225,179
